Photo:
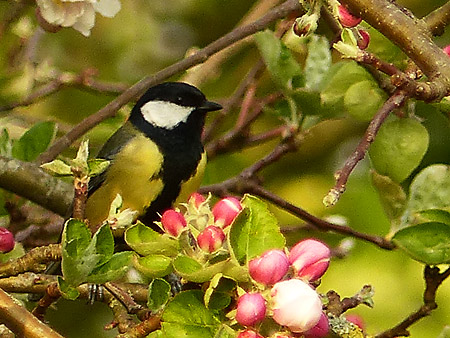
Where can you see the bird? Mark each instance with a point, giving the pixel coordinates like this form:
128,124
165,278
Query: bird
156,158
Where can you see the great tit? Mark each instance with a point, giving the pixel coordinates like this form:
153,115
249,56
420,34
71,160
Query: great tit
157,157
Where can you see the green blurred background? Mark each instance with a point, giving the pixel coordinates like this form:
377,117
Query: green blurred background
146,36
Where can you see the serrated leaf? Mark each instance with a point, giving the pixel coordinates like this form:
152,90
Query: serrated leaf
58,168
193,271
67,291
158,294
97,166
318,62
186,316
428,243
399,147
254,231
103,240
363,99
146,241
284,69
34,141
430,189
153,266
435,215
217,295
113,269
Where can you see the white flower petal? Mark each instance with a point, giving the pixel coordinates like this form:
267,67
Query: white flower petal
86,21
51,11
73,12
107,8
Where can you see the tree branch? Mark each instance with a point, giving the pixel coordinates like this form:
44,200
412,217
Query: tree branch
412,36
30,181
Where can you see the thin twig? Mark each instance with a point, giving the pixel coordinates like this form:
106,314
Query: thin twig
438,19
394,102
433,279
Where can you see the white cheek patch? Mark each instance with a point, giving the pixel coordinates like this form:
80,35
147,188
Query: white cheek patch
165,114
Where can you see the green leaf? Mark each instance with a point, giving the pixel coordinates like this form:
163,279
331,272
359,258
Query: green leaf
34,141
58,168
428,243
430,189
340,78
153,266
103,240
186,316
193,271
392,197
113,269
399,147
254,231
218,294
146,241
318,62
284,69
435,215
363,99
158,294
67,291
97,166
5,144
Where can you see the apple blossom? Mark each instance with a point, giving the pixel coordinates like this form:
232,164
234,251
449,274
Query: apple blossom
211,238
357,320
270,267
310,259
226,210
346,18
197,199
249,334
320,330
79,14
251,309
295,305
173,222
6,240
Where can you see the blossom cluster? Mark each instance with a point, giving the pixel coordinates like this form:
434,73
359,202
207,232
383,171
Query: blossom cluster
285,291
208,225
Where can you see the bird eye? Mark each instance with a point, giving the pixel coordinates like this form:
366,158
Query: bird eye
179,99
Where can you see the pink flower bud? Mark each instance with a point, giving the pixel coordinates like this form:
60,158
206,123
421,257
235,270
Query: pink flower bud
6,240
446,49
280,335
251,309
346,18
310,259
226,210
173,222
211,238
357,320
249,334
296,305
363,39
197,199
320,330
270,267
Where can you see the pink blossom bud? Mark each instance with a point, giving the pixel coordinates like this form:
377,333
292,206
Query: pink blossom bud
280,335
249,334
211,238
357,320
446,49
270,267
363,39
226,210
346,18
320,330
6,240
296,305
251,309
197,199
173,222
310,259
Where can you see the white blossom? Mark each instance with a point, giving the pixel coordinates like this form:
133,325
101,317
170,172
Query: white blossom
78,14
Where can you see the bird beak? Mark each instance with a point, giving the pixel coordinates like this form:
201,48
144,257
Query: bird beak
210,106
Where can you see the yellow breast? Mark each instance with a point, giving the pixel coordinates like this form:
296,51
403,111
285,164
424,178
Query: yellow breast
134,174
